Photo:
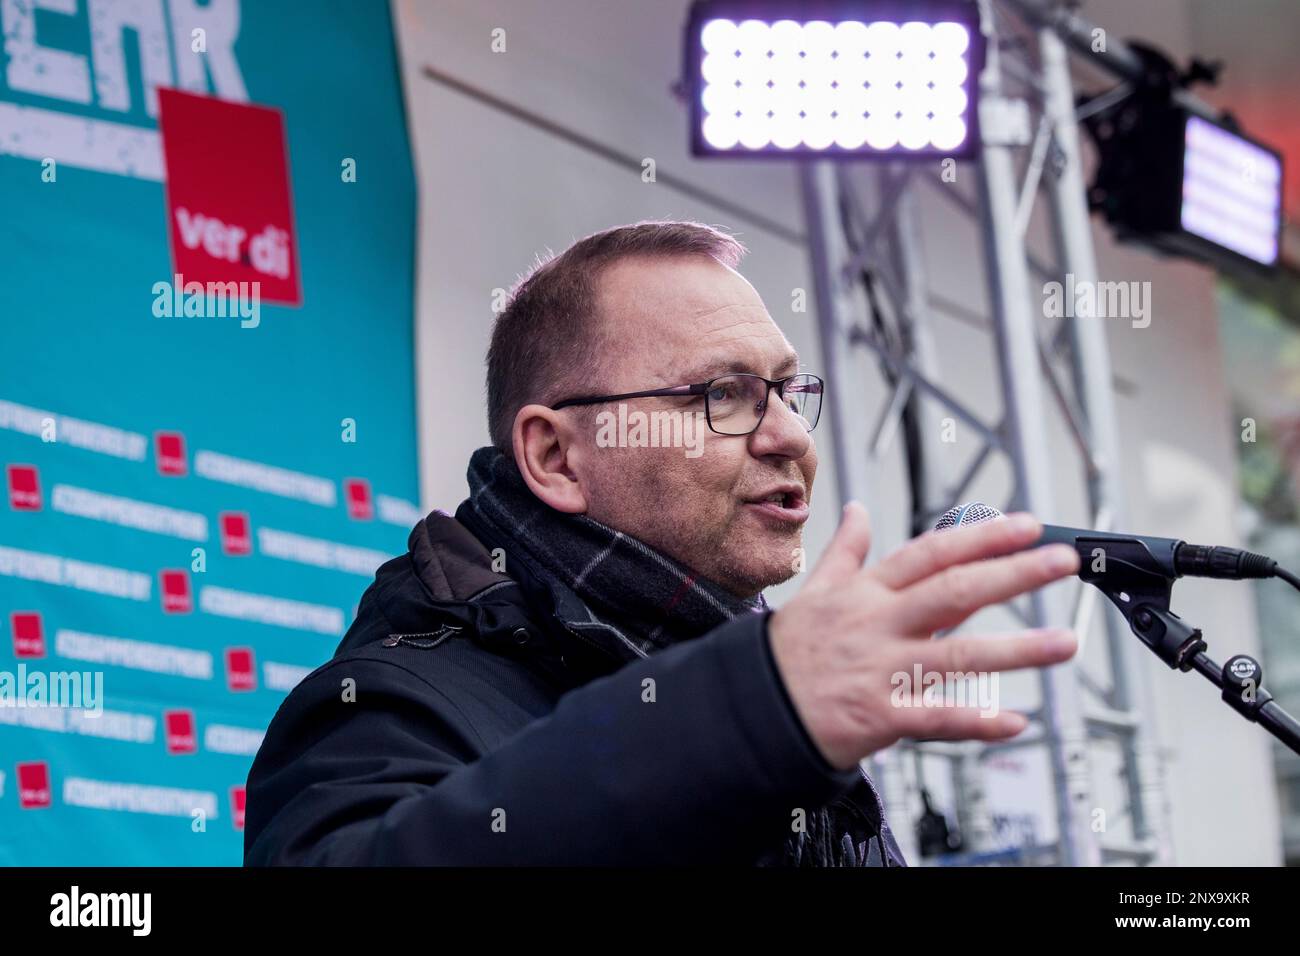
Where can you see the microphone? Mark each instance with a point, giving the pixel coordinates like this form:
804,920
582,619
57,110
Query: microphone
1168,557
1136,572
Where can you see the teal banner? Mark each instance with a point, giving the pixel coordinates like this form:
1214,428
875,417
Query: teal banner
207,398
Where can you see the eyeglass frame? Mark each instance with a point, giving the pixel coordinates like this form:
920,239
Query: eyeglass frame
702,388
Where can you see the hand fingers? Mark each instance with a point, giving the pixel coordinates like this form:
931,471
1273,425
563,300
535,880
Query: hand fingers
935,550
954,594
1040,647
961,659
960,723
848,548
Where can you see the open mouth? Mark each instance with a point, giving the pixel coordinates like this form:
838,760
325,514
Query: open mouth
783,506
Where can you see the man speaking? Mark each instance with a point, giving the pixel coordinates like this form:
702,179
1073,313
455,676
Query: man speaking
579,667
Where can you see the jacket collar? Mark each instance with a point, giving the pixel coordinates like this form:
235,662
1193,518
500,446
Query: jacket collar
447,578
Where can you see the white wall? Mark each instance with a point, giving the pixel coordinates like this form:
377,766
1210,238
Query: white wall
495,192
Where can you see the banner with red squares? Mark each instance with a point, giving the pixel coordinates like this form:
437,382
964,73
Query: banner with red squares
236,535
169,453
24,488
187,526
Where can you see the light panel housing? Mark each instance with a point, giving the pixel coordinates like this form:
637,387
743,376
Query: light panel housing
1186,185
836,78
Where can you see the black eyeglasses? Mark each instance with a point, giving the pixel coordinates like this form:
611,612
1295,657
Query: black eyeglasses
735,404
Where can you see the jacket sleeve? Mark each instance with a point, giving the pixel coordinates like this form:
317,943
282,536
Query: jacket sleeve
710,771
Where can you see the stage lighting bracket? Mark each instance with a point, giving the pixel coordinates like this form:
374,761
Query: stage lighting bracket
1004,121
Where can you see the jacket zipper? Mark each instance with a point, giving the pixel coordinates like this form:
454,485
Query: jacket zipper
424,640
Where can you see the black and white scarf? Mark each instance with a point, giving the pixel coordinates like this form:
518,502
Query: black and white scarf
644,599
634,601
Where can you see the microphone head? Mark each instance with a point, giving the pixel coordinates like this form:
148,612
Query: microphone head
972,512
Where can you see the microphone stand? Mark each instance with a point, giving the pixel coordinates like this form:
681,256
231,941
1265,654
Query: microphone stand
1138,584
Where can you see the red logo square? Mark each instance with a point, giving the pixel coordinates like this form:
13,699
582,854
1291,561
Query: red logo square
229,200
240,674
24,488
236,536
169,451
176,596
29,634
357,492
237,806
33,785
181,737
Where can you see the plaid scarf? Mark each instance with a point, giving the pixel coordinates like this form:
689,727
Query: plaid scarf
640,599
634,600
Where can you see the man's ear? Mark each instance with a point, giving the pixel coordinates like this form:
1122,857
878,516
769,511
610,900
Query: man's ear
546,453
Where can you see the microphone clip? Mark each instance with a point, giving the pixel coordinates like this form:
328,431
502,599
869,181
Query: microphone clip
1140,584
1171,638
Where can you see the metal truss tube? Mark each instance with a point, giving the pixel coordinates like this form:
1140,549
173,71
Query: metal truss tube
828,247
907,255
1092,379
1017,341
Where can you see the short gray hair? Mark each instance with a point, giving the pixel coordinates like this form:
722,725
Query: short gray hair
547,339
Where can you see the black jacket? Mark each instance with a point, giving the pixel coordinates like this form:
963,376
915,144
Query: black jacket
462,722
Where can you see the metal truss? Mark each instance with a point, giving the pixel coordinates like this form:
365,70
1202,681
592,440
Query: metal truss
871,294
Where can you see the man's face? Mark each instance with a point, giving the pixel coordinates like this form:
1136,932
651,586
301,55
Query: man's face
680,321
